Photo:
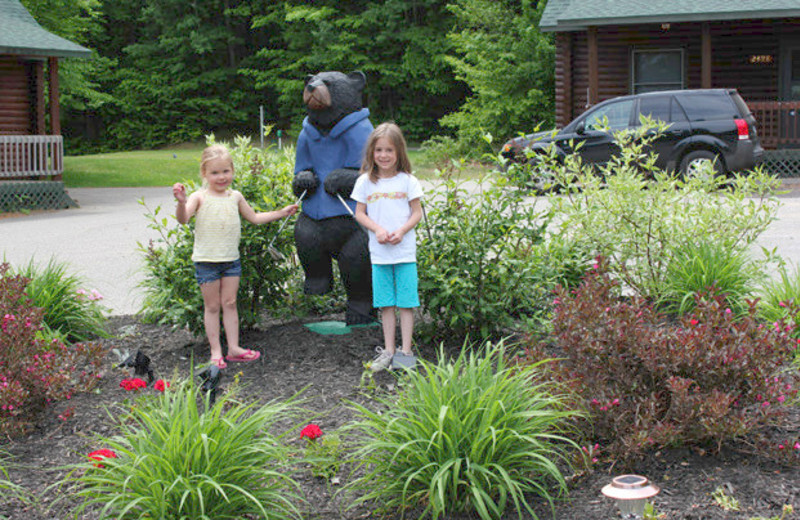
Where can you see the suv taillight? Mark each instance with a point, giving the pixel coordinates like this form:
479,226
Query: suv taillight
742,129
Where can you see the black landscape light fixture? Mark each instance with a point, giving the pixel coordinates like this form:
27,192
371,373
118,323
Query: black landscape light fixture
631,492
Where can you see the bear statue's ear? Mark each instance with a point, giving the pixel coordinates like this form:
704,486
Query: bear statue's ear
309,77
358,78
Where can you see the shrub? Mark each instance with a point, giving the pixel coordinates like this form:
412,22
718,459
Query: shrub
699,265
471,435
476,271
70,312
171,293
35,372
707,377
636,215
175,458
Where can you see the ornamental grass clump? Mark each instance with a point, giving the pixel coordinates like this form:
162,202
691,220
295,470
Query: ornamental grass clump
649,381
35,372
70,312
176,456
475,435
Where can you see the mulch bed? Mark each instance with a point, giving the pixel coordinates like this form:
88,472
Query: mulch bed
330,369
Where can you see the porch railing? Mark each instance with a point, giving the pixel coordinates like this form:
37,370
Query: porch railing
778,123
26,156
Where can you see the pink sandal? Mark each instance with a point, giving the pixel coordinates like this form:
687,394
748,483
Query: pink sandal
246,357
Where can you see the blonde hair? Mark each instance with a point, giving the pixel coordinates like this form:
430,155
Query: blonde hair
393,133
211,153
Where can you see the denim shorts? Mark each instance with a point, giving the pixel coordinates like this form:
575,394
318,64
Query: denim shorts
395,285
207,272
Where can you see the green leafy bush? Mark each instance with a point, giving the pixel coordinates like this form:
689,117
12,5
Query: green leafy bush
70,312
176,456
171,293
647,382
476,271
35,372
471,435
637,215
698,265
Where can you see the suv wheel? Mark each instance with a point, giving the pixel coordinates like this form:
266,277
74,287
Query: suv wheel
694,163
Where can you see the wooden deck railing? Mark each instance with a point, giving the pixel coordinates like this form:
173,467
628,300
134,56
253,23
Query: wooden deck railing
778,123
25,156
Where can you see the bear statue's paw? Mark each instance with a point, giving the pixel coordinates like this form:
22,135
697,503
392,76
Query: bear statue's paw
341,182
305,181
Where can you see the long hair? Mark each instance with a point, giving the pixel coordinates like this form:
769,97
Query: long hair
392,132
211,153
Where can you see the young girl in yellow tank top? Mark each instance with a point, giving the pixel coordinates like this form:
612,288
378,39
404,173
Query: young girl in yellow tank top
216,209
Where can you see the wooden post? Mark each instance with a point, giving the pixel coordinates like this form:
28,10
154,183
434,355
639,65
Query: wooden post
594,67
705,63
38,79
55,109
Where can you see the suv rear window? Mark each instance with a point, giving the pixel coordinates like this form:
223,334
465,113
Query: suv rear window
705,106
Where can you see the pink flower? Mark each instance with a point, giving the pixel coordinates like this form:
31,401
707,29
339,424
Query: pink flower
727,311
765,404
781,446
95,296
796,445
312,431
595,266
161,385
100,455
693,321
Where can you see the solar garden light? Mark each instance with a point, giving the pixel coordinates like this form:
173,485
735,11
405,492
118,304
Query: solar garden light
631,492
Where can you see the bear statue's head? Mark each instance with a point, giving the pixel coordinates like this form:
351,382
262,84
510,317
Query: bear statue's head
330,96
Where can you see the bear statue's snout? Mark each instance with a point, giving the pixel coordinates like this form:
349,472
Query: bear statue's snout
316,95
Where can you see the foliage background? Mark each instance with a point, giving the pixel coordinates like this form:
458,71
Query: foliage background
164,71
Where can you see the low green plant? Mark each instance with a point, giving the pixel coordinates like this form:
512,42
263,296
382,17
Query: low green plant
177,456
780,296
724,500
636,214
474,434
35,372
10,489
70,312
171,293
477,273
703,379
787,509
698,265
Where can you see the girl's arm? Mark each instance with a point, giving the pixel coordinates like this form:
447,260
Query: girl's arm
251,216
413,220
361,216
186,207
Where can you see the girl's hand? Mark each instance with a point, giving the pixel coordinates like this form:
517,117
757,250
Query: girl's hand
179,192
382,235
395,237
289,210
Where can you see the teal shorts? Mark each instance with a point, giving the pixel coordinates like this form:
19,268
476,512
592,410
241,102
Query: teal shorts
395,285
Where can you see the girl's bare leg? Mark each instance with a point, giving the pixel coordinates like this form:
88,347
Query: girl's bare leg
211,310
407,329
389,327
230,314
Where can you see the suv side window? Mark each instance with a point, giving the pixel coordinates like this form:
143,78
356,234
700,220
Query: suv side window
708,106
655,107
618,116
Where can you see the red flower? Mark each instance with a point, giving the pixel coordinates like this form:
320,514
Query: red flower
311,431
100,455
132,384
161,385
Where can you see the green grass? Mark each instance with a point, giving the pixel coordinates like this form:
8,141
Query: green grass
139,168
167,166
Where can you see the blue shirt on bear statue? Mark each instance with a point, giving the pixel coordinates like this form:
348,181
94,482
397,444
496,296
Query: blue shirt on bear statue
342,147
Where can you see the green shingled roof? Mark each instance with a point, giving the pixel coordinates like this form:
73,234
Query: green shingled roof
571,15
21,34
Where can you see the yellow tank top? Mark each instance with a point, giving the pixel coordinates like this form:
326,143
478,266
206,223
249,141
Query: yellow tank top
217,229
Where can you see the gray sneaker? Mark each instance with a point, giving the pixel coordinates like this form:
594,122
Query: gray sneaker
401,360
382,362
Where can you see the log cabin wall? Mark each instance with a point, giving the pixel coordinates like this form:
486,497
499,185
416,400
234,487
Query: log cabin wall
732,44
17,97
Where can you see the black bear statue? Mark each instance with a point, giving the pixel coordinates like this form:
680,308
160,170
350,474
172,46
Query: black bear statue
329,153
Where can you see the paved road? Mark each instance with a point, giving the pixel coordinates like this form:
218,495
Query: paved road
99,239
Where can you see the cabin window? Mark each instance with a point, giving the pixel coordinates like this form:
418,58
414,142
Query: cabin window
657,69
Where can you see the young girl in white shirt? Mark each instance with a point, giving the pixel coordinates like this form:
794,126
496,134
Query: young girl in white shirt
388,205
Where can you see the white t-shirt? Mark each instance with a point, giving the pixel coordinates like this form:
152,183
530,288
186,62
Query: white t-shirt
388,205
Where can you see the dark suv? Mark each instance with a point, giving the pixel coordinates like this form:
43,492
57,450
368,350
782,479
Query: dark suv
704,125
